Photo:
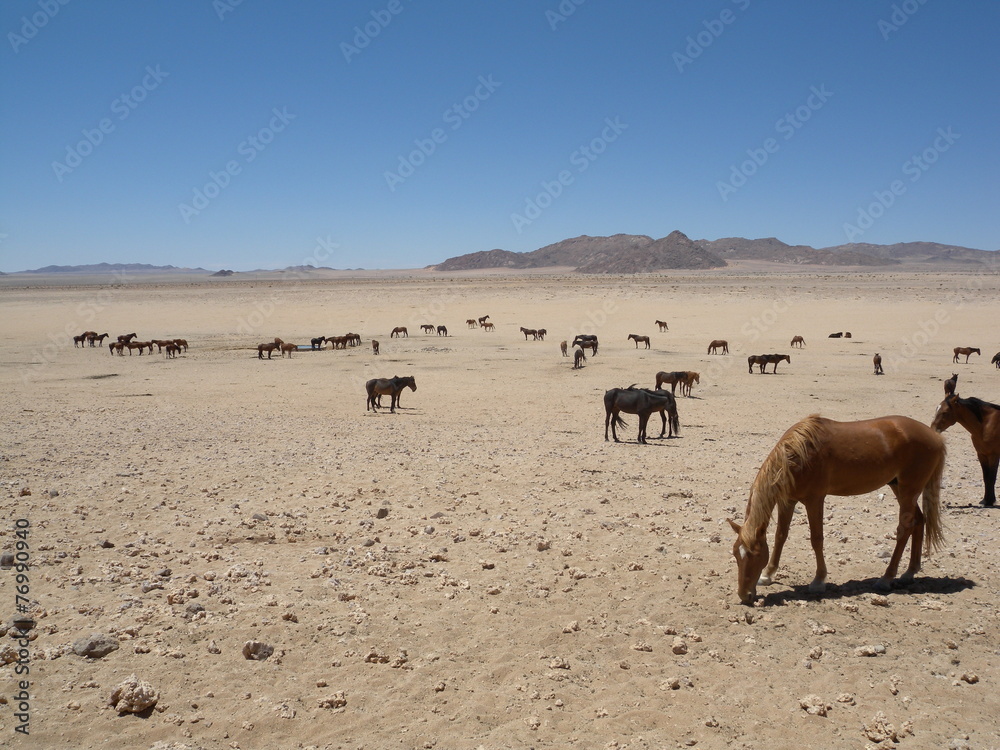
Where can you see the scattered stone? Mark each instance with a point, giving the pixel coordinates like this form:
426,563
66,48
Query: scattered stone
382,513
814,705
571,627
95,646
876,649
970,677
679,646
641,646
337,700
25,492
847,698
53,493
257,651
258,517
878,600
533,722
106,544
880,730
213,647
133,696
558,663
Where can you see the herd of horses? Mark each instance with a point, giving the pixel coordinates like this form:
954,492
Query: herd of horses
126,342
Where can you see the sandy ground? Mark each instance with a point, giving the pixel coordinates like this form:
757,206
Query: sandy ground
482,569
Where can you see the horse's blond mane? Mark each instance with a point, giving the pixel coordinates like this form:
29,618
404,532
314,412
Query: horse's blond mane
775,479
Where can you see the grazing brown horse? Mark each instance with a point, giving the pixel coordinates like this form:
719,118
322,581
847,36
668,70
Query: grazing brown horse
288,348
427,327
718,344
564,348
183,344
399,331
529,332
487,326
374,346
877,362
471,322
798,341
578,358
766,359
269,348
388,386
643,402
982,420
442,330
638,339
836,335
817,457
483,320
663,325
966,350
671,379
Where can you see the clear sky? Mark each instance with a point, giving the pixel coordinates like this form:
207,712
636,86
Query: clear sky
397,133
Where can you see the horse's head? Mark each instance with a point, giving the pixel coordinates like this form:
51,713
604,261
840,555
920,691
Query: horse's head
945,416
410,381
750,562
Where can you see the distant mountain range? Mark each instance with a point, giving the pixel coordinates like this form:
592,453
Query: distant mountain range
639,253
108,267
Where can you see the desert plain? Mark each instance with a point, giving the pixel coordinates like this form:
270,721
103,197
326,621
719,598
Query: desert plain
481,569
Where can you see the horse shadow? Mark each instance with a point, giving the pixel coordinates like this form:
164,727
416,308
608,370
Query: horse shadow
856,587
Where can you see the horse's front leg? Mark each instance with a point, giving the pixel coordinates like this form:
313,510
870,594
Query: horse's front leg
780,535
814,512
990,465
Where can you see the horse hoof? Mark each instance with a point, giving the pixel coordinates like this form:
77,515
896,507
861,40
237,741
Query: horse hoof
987,503
764,580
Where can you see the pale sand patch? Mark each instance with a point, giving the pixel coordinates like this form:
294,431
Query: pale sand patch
528,584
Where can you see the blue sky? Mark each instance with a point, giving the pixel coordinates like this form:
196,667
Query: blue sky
397,133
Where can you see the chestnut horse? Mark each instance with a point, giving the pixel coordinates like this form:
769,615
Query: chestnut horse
877,362
818,457
638,339
642,402
798,341
487,326
966,350
663,325
982,420
471,322
718,344
388,386
399,331
289,348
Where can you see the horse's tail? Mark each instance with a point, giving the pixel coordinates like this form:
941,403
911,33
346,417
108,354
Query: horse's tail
933,534
619,422
675,422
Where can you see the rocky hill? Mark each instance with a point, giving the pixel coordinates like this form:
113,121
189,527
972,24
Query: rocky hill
619,254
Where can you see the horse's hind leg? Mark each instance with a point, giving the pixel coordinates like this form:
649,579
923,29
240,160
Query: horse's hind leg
910,528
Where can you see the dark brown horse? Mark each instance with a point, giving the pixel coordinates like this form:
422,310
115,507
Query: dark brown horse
487,326
529,332
766,359
798,341
996,360
483,319
642,402
586,341
578,357
718,344
966,350
471,322
95,340
317,343
427,327
818,457
877,362
442,330
268,347
391,387
172,350
126,337
982,420
183,344
951,384
374,346
564,348
542,333
637,339
399,331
